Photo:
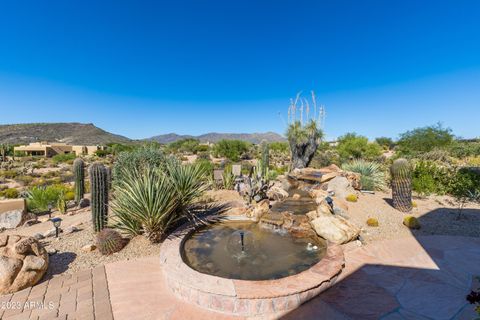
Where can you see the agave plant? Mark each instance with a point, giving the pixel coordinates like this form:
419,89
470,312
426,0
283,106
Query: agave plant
145,201
228,179
372,176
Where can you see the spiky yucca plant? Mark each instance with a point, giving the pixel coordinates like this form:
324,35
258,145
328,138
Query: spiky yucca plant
190,181
401,172
79,174
372,175
109,241
228,179
144,201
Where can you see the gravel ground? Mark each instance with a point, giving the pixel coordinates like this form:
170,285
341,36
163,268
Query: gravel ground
437,215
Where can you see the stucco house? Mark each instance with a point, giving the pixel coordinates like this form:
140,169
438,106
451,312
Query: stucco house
48,150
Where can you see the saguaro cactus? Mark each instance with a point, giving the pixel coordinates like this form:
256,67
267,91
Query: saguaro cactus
265,163
79,172
99,195
401,172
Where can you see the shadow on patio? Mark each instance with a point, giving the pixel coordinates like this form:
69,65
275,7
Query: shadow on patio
426,276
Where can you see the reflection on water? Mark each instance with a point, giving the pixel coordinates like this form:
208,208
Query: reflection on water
261,254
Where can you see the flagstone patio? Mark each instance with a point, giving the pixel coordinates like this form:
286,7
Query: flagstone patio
411,278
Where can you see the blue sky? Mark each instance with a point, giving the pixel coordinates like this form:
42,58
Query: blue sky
141,68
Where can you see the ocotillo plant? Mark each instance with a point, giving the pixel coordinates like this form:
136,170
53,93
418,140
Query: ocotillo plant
79,172
401,172
264,162
99,195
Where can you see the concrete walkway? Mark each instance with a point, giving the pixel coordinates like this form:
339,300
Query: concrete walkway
412,278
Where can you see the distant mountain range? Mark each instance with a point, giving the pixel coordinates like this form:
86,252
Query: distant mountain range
214,137
71,133
88,134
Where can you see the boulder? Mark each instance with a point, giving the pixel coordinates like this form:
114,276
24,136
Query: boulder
277,194
258,210
13,213
340,187
335,229
340,207
23,262
83,203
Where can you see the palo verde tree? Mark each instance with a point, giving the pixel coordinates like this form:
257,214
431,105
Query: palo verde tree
304,130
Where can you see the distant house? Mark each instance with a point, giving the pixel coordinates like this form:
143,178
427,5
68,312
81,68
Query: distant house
48,150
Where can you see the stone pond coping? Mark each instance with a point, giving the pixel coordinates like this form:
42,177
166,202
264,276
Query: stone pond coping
270,298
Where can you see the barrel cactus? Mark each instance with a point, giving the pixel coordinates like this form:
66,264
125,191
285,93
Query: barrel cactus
99,195
79,174
401,172
109,241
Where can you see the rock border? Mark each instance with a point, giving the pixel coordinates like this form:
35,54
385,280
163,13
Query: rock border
262,298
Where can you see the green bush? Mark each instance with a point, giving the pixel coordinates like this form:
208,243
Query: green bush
385,143
24,180
8,174
353,146
231,149
101,153
189,145
421,140
66,157
42,199
137,160
430,178
372,175
460,149
9,193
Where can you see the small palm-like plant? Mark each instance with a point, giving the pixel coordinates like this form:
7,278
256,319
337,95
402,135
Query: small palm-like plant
145,201
372,176
42,199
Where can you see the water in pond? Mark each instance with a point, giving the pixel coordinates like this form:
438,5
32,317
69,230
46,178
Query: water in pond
244,250
302,204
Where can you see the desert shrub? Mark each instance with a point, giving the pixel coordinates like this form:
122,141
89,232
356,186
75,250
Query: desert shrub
231,149
61,203
353,146
24,180
204,155
421,140
101,153
61,158
69,195
385,143
150,201
42,199
189,145
430,178
372,175
281,147
8,174
463,149
10,193
138,159
351,198
464,183
109,241
441,155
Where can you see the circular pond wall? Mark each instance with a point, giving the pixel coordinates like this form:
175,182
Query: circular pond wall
263,298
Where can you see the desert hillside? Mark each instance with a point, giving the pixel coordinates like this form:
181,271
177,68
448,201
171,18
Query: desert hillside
72,133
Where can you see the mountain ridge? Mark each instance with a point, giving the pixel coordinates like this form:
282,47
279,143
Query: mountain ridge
256,137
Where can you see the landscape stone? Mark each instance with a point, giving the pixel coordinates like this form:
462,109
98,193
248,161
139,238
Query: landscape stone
83,203
335,229
341,187
23,262
13,213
